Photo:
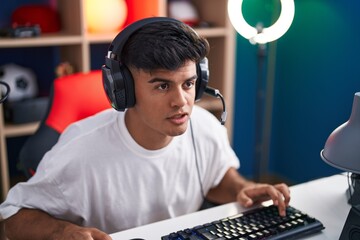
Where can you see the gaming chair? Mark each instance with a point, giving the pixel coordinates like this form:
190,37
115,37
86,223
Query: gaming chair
72,98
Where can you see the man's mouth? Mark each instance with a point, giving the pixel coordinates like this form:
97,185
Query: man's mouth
179,118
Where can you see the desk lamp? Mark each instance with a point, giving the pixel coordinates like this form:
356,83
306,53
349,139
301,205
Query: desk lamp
342,150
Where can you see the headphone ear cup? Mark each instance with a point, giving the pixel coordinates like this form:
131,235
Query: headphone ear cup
118,85
202,69
108,84
129,86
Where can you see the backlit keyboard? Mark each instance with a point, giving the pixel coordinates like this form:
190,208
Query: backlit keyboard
259,223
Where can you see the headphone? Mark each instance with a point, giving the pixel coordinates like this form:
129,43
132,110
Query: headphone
117,79
7,91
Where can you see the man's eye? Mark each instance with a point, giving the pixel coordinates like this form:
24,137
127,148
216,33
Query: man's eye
163,86
189,84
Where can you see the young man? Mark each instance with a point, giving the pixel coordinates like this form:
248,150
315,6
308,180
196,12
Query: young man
158,159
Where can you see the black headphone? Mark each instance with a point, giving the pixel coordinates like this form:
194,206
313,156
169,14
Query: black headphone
117,79
7,91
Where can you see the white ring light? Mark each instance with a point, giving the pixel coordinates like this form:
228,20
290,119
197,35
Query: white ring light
268,34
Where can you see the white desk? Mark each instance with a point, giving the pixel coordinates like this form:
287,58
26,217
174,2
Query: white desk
324,199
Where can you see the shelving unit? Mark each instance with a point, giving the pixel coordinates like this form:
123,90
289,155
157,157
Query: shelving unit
75,44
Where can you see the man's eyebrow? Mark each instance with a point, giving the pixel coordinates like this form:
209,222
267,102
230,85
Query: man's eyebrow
164,80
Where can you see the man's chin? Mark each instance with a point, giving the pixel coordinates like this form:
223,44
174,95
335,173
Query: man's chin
179,130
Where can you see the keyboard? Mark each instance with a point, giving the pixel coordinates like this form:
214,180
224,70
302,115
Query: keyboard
259,223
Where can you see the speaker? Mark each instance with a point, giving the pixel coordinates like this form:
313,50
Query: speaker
351,230
117,79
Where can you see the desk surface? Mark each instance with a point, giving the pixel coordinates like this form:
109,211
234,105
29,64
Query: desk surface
324,199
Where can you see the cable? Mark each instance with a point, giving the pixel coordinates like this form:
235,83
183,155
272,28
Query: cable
215,93
7,92
350,185
196,161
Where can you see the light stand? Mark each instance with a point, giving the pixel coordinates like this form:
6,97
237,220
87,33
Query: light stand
260,102
261,36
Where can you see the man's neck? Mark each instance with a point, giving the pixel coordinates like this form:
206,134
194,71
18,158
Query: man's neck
145,137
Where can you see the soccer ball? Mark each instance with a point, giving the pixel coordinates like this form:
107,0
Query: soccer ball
22,82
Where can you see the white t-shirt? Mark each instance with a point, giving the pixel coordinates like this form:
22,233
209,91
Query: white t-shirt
98,176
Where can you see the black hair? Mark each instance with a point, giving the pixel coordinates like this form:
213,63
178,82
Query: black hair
164,45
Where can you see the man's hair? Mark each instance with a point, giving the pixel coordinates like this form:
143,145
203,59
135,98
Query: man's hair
163,45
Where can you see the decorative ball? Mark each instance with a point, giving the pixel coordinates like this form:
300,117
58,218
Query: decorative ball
105,16
22,82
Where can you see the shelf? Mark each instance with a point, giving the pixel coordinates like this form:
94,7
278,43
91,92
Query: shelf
16,130
108,37
42,41
212,32
100,38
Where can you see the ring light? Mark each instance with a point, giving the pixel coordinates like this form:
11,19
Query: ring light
268,34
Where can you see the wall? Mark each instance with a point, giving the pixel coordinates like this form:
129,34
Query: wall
317,74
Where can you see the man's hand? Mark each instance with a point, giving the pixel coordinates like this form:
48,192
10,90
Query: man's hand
31,224
234,187
258,192
74,232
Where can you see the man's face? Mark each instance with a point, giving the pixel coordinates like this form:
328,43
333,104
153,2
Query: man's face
164,101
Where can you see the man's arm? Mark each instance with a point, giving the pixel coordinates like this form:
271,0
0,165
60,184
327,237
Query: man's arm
30,224
234,187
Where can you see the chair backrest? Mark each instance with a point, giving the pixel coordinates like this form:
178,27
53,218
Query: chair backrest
72,98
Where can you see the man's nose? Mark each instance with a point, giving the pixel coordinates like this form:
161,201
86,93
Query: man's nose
178,98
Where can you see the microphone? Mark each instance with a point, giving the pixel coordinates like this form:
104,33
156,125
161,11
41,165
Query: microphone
216,93
7,91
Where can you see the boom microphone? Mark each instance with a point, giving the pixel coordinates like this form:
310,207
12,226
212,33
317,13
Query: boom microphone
216,93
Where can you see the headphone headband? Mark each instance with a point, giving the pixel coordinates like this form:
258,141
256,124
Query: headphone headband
117,46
